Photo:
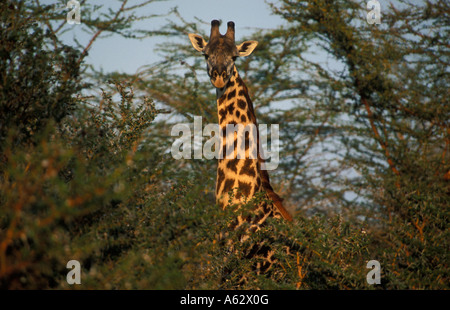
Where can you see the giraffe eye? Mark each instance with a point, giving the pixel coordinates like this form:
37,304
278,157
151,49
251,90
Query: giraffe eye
206,56
234,58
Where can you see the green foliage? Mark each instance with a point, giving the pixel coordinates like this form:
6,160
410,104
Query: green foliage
56,188
37,84
315,253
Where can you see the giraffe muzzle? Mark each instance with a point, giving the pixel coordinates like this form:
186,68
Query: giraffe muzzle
219,80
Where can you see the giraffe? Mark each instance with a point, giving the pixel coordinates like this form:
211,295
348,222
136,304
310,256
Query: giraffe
244,175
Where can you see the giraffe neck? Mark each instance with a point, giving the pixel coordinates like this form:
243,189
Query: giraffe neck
243,173
234,107
243,177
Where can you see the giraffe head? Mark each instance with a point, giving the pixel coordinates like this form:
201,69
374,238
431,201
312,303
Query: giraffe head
221,52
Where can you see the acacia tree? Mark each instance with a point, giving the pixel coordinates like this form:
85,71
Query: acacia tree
65,161
391,93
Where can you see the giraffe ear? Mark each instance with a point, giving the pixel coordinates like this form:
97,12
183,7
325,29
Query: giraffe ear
197,41
246,48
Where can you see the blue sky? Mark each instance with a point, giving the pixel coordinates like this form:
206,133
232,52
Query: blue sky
115,53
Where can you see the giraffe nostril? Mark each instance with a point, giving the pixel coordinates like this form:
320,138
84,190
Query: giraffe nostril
215,74
224,75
